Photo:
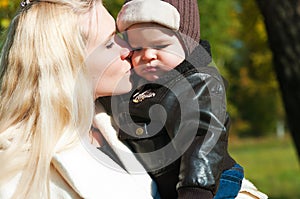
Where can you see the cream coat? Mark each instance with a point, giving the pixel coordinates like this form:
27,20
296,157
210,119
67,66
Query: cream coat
85,172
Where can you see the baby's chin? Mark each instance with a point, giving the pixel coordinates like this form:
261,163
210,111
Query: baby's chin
150,77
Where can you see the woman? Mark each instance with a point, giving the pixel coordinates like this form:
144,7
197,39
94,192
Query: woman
52,51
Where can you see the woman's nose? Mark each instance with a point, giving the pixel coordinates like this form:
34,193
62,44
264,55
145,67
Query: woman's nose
125,53
149,54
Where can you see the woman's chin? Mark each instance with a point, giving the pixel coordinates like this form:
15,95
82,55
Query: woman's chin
123,87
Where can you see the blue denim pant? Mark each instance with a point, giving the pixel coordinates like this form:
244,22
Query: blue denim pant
230,182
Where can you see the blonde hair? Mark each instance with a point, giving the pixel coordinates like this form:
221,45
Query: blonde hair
45,97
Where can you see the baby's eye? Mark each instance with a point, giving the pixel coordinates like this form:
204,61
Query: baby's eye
160,46
137,49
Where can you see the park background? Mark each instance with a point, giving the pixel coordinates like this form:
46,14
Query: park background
259,136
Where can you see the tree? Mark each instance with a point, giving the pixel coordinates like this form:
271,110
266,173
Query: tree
282,21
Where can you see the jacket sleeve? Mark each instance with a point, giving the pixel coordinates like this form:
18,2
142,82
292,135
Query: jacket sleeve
200,116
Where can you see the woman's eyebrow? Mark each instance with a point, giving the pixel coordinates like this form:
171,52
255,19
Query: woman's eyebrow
109,37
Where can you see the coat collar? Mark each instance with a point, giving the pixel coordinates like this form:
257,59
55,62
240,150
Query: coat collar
93,174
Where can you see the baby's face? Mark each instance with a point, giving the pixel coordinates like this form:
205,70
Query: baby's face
156,50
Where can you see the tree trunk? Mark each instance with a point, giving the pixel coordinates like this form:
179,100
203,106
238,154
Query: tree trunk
282,20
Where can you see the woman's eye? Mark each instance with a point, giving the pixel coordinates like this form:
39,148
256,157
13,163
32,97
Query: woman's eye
109,44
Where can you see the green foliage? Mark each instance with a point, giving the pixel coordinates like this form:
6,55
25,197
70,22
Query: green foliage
7,11
238,38
254,88
220,26
113,6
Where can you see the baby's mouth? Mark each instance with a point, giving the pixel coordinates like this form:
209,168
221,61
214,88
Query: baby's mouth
151,69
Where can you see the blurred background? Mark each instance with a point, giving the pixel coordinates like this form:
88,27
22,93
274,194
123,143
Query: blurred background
255,45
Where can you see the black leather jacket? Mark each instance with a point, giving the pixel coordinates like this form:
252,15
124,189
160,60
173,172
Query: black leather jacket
178,127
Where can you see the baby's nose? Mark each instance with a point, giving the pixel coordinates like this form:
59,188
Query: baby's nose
149,53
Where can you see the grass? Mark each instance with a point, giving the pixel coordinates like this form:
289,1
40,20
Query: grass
271,164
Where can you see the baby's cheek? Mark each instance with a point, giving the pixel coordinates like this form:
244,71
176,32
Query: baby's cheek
174,61
135,60
137,70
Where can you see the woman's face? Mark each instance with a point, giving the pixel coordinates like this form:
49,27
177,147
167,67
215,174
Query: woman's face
107,55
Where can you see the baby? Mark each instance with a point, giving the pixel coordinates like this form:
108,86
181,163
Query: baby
183,146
